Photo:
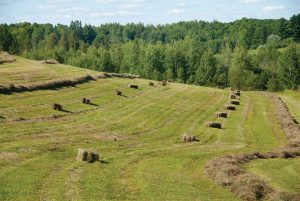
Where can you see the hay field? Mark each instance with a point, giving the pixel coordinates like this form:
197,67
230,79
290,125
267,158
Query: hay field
138,137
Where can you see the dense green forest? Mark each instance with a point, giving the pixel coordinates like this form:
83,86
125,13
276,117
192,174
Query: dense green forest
195,52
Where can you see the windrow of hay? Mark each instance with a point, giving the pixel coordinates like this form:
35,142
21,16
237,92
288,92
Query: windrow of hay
288,123
228,170
55,84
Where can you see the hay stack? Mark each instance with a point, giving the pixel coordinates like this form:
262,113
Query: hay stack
57,106
133,86
234,102
189,138
119,93
151,84
214,125
89,156
229,107
221,114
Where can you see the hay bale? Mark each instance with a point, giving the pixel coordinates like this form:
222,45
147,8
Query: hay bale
189,138
229,107
214,125
84,100
221,114
119,93
88,101
164,83
92,157
57,106
133,86
232,96
234,102
89,156
82,155
151,84
49,61
237,93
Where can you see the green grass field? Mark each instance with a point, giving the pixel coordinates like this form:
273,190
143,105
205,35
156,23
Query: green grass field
148,160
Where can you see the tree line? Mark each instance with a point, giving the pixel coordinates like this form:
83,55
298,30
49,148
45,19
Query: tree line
246,54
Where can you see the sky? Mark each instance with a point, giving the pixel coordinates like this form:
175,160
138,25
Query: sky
155,12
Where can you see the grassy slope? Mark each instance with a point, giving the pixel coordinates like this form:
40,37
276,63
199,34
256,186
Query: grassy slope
26,71
281,173
147,162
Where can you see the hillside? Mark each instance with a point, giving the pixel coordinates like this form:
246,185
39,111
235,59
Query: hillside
138,136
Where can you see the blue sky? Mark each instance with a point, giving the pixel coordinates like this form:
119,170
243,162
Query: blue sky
97,12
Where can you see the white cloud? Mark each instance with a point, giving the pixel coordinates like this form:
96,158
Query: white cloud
249,1
182,4
274,7
106,1
62,16
130,6
102,14
176,11
126,12
71,9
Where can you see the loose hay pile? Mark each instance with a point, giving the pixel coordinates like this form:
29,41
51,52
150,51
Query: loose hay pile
6,58
85,155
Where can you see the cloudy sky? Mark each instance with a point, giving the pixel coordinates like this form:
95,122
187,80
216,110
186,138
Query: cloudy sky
97,12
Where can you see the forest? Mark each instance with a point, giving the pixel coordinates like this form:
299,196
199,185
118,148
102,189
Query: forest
249,54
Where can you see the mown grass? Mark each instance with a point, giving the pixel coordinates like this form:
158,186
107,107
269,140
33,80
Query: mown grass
147,162
292,99
283,174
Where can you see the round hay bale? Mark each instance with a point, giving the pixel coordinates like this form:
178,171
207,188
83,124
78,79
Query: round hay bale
84,100
214,125
59,107
92,157
82,155
55,106
221,114
189,138
151,84
234,102
88,101
229,107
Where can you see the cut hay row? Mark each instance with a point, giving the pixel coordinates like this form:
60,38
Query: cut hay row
56,84
287,122
228,170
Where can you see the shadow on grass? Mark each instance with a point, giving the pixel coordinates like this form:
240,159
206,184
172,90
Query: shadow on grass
93,104
123,95
103,161
66,111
